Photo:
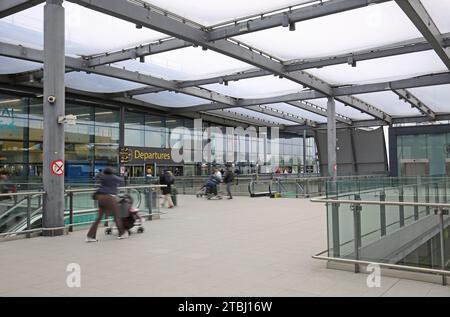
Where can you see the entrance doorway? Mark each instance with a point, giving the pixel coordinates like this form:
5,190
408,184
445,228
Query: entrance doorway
419,167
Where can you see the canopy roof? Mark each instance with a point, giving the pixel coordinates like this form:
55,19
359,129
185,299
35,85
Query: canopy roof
272,61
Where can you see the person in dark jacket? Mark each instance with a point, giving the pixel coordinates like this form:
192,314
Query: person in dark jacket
167,179
228,180
107,203
211,184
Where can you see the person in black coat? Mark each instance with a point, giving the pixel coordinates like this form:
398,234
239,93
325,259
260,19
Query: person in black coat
167,179
228,180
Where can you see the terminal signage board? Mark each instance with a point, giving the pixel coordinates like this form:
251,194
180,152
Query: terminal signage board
146,155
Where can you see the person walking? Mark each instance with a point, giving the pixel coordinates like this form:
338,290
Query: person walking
107,203
228,180
167,179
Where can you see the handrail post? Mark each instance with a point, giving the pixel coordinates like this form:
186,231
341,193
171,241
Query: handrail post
401,207
356,208
70,211
149,194
442,241
383,214
427,197
28,215
416,199
335,228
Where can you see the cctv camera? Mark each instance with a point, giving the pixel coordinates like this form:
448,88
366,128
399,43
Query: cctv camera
51,99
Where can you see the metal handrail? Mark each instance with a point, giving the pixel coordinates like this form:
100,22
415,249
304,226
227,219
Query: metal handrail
87,190
22,193
319,256
323,199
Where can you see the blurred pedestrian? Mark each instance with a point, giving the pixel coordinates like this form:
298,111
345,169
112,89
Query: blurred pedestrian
106,195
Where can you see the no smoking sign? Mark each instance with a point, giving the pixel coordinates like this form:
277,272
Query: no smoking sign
57,168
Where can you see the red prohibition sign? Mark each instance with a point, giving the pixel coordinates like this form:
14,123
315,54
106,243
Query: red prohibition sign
58,167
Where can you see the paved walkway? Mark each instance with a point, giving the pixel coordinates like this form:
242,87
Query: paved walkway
242,247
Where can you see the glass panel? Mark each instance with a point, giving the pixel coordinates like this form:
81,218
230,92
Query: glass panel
390,103
259,87
12,65
85,30
201,11
435,97
97,83
382,69
438,10
171,99
186,64
358,29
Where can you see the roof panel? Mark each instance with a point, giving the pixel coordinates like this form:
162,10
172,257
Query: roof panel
187,64
171,99
345,32
382,69
207,12
259,87
87,31
13,65
437,98
439,11
390,103
98,83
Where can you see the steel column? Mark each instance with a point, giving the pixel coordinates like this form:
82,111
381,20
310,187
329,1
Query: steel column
54,69
331,138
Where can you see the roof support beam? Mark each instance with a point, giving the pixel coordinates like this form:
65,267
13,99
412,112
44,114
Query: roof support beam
244,118
364,107
34,55
406,47
295,15
255,24
10,7
415,102
421,81
282,115
347,100
317,110
418,15
136,52
147,18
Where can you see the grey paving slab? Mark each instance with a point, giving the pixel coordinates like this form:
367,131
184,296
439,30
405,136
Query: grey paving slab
242,247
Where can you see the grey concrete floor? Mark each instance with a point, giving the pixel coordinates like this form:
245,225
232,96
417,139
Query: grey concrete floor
240,247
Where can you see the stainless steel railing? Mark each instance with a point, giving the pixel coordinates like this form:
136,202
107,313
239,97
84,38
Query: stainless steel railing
440,209
33,216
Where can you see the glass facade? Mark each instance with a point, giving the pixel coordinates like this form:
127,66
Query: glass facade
431,149
93,143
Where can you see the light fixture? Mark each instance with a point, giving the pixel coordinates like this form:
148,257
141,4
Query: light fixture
204,48
292,26
138,26
351,61
142,59
285,21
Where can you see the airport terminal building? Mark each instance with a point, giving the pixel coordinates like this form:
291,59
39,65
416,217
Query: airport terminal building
98,137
